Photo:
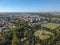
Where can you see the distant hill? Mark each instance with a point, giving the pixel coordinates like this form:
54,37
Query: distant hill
27,13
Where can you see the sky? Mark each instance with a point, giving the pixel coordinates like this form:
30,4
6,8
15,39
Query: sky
29,5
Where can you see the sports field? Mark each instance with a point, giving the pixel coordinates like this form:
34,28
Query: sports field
50,25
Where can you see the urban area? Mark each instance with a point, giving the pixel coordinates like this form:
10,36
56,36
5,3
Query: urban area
29,28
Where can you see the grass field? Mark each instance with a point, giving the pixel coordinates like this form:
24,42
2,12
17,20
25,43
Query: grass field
43,36
50,25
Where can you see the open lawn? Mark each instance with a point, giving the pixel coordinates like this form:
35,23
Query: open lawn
43,36
50,25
